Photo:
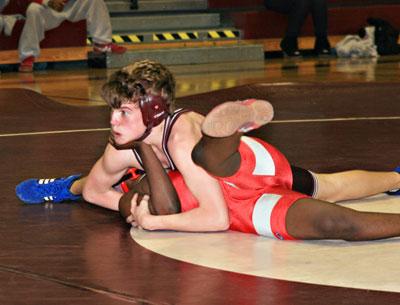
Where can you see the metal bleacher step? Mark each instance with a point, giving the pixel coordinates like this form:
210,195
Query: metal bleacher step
174,32
183,55
119,6
164,22
158,5
155,5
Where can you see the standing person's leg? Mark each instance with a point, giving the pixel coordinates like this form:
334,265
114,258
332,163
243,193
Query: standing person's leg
280,6
297,17
98,23
297,11
319,12
313,219
38,20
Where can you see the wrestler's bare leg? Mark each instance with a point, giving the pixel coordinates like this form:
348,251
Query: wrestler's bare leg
354,184
314,219
217,151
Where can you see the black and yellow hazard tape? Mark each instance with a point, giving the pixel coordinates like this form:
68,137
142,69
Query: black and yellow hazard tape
223,34
131,38
128,38
179,36
175,36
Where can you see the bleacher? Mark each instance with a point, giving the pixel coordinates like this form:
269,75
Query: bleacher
67,35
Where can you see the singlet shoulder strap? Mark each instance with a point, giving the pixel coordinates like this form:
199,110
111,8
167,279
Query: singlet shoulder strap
169,123
137,156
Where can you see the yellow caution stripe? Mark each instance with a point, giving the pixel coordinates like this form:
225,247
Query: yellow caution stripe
174,36
223,34
179,36
128,38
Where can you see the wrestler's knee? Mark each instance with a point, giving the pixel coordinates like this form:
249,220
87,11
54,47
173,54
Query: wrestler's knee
207,160
198,155
337,227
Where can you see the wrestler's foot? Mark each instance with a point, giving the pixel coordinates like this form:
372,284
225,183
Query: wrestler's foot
230,117
35,191
395,192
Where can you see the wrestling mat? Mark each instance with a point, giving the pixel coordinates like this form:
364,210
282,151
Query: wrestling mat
80,254
364,265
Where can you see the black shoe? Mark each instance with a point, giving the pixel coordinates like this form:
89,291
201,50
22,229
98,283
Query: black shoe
289,47
322,46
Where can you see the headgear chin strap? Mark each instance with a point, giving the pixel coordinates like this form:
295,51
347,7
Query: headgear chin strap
154,109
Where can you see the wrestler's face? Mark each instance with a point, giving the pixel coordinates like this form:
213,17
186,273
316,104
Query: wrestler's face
127,123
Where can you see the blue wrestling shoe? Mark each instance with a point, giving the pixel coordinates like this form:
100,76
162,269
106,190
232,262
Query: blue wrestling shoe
395,192
35,191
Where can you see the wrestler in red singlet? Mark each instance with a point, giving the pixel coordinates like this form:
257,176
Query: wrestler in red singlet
258,195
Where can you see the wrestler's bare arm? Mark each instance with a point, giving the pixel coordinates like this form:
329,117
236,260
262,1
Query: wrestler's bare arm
104,174
212,213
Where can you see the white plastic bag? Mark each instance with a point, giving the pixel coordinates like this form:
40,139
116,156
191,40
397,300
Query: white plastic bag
354,46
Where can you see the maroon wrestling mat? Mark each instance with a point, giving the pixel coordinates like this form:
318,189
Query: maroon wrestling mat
82,254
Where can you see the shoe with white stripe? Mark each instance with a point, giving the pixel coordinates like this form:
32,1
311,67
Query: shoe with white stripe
395,192
36,191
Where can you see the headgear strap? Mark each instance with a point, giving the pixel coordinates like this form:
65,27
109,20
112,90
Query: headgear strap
154,109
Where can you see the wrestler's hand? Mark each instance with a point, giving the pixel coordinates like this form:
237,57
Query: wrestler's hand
57,5
129,200
142,213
